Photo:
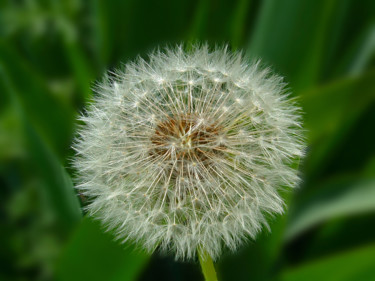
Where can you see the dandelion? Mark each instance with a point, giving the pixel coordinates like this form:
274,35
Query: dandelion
188,150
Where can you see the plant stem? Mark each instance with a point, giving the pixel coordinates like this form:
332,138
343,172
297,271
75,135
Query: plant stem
207,265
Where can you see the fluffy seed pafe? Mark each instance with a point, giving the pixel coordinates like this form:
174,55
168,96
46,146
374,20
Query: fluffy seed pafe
188,149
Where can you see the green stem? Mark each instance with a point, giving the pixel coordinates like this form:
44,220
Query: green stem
207,265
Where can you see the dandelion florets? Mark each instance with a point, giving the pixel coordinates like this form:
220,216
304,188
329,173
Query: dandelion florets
188,150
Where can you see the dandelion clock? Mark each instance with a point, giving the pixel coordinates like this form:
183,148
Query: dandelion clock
186,152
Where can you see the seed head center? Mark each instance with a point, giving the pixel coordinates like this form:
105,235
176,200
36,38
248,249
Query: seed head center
184,138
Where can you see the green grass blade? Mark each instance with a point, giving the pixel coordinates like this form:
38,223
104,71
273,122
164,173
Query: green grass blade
291,36
331,112
93,255
355,265
336,199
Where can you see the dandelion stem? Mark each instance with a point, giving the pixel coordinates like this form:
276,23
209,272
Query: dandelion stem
207,265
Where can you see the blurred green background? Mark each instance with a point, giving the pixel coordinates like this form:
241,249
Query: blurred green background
51,53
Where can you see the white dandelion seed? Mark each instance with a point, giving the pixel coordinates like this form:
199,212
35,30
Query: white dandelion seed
188,150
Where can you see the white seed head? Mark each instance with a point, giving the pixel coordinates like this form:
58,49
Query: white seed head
188,149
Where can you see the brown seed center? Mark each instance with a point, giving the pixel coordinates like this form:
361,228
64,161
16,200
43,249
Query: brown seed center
185,138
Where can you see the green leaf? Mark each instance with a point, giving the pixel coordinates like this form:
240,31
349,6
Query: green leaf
238,22
291,36
128,29
359,52
51,118
311,42
355,265
354,43
199,22
93,255
58,185
314,41
80,67
102,41
331,112
221,22
334,200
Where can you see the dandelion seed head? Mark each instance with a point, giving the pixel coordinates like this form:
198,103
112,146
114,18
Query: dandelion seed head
188,149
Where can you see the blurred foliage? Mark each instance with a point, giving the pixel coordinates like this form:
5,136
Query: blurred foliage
51,53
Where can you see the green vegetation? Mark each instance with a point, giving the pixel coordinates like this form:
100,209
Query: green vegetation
51,54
